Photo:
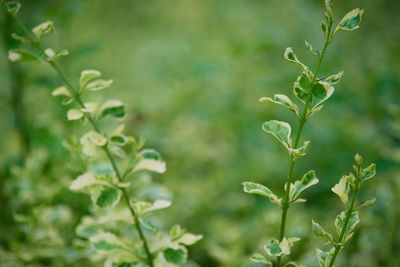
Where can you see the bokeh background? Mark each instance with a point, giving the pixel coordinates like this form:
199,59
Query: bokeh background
190,73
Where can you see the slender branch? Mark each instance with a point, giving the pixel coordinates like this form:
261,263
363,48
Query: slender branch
75,93
339,246
302,120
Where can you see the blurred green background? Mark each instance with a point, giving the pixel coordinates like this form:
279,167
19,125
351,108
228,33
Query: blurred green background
190,74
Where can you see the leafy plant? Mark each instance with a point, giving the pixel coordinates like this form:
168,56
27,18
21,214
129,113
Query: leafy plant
312,92
347,220
109,229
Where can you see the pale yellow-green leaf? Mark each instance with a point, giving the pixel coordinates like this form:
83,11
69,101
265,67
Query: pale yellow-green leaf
189,239
83,181
258,189
12,7
42,29
90,107
88,75
258,258
106,242
62,90
280,130
351,21
365,204
96,138
290,56
320,232
151,165
342,189
74,114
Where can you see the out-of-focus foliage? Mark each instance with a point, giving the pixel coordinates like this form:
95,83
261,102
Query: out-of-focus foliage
190,73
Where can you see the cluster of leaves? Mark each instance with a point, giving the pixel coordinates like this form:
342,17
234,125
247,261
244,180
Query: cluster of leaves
312,92
119,232
40,220
347,220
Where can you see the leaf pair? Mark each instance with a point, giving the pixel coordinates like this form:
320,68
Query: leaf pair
103,193
282,131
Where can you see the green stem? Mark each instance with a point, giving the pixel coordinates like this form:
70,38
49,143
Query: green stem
302,120
77,97
349,211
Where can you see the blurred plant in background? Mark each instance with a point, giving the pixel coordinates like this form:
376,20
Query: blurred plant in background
189,73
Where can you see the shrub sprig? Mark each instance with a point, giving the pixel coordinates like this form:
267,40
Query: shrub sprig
108,230
312,92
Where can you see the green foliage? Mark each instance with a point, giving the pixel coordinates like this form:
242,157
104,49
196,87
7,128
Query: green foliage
347,220
188,74
311,91
106,188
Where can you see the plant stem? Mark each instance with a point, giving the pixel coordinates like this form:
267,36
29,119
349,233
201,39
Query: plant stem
77,97
349,211
302,120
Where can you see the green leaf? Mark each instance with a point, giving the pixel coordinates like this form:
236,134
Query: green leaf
151,165
15,55
96,138
339,222
333,79
12,7
89,149
300,151
320,232
20,38
150,160
142,207
310,48
323,258
274,248
175,256
88,75
322,91
308,179
106,242
280,130
74,114
89,107
120,139
52,55
85,180
116,215
258,189
368,173
291,57
329,5
87,228
365,204
301,87
293,263
150,153
112,107
324,28
98,85
176,232
105,196
62,90
189,239
283,101
342,189
42,29
351,21
256,257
